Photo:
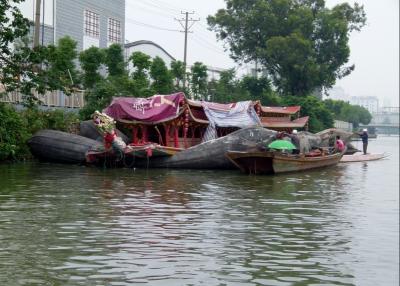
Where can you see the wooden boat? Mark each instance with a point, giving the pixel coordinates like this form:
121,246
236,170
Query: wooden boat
266,162
362,157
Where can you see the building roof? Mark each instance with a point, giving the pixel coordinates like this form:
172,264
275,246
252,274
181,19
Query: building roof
145,42
281,110
284,122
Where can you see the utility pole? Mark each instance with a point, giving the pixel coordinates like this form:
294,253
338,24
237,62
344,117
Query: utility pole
44,3
186,29
37,25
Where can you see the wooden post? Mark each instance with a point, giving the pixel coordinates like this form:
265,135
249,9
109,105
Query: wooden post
167,128
135,135
186,127
176,136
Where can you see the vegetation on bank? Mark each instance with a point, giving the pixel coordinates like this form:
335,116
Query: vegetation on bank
16,127
300,46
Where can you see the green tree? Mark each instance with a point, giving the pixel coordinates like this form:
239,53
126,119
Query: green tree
301,44
13,133
178,73
25,69
320,116
198,80
228,88
114,60
91,60
13,26
142,63
346,112
99,97
62,70
161,77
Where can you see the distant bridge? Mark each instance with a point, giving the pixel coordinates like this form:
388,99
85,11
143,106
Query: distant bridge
386,129
386,121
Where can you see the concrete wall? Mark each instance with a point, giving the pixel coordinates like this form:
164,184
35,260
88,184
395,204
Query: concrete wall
48,35
343,125
69,18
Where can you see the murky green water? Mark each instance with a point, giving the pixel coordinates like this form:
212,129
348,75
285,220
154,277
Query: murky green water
69,225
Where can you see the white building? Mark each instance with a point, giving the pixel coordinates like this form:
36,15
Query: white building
371,103
97,23
337,93
153,50
149,48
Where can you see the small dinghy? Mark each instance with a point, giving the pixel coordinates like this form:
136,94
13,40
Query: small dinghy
362,157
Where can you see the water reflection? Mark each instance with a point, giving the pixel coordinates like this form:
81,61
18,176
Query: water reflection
67,225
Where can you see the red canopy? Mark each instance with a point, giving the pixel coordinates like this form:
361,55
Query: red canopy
158,108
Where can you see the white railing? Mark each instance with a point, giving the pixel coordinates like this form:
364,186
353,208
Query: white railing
54,98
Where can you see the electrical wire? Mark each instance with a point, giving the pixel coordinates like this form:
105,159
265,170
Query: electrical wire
150,26
150,10
163,5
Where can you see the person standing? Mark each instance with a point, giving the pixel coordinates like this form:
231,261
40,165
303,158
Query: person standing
295,140
364,138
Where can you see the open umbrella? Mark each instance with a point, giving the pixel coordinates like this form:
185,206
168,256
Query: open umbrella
282,145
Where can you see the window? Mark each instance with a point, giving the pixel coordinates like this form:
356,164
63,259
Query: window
92,26
114,30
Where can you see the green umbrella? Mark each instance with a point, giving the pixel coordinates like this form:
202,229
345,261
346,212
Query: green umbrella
281,145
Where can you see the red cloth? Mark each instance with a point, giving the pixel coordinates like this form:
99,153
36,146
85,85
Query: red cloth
157,108
340,145
109,138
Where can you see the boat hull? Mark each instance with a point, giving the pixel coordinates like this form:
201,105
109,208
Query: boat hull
272,163
285,164
128,156
62,147
211,154
362,157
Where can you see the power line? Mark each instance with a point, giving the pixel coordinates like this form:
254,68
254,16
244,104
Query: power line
163,5
211,44
150,26
203,44
152,10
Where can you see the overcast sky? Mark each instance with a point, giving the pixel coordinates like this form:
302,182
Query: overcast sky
374,50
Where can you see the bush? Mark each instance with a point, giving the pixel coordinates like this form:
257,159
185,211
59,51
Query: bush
13,134
17,127
320,117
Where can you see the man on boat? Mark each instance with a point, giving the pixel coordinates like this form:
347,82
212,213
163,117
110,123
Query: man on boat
364,138
295,140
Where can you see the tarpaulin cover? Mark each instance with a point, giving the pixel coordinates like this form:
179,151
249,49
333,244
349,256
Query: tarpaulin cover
240,114
157,108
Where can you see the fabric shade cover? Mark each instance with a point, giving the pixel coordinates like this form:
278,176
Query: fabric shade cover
157,108
240,114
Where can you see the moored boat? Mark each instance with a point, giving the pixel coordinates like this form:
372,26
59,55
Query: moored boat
362,157
61,147
267,162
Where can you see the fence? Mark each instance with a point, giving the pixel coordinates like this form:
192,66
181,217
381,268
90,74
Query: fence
54,98
347,126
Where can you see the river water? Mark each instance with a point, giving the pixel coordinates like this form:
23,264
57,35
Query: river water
71,225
